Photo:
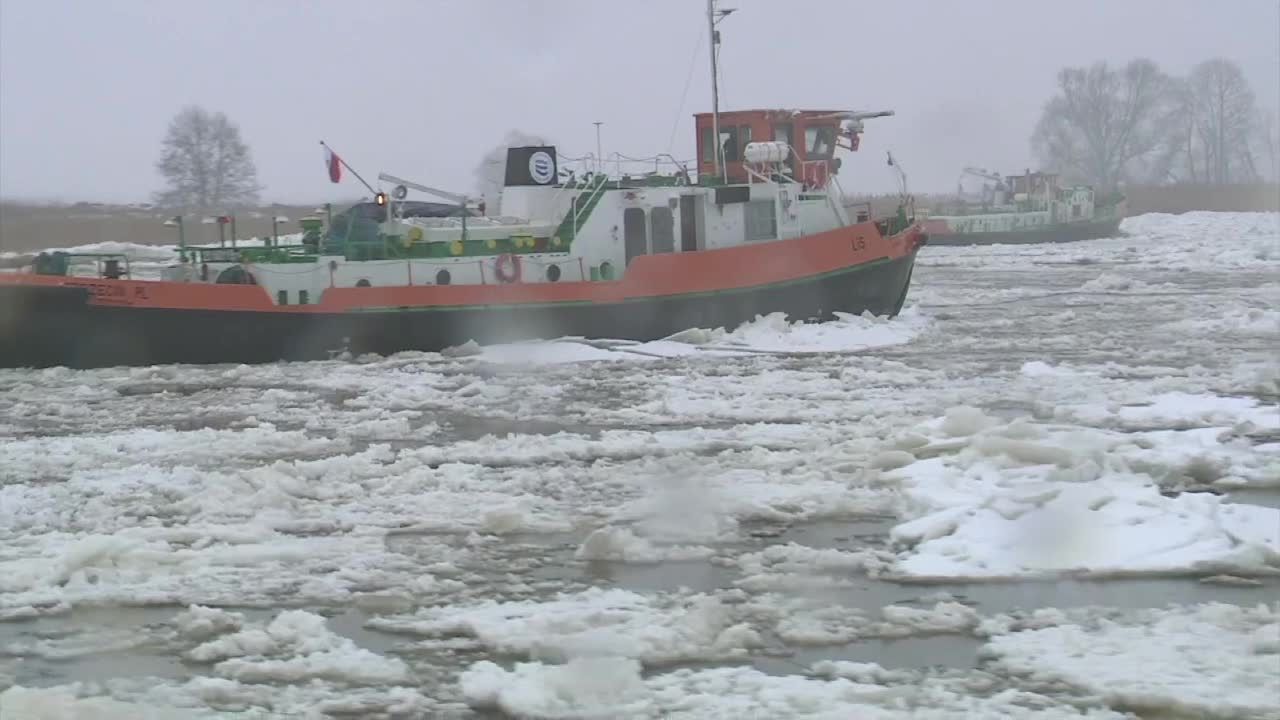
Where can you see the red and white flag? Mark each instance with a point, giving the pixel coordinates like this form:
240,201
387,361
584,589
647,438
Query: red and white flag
333,163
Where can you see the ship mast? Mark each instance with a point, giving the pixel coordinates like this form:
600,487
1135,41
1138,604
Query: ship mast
714,16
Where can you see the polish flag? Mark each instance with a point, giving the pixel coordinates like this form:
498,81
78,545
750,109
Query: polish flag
332,162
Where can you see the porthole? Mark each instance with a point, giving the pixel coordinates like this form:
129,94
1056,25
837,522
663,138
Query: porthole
443,277
553,273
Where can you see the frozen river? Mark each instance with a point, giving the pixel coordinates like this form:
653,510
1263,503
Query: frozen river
1050,489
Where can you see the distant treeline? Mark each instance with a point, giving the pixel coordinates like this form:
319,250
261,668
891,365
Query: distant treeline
1136,125
29,226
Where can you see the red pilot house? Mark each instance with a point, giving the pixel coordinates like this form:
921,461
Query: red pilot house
813,136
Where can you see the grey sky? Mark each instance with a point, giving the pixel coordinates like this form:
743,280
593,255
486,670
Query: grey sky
423,88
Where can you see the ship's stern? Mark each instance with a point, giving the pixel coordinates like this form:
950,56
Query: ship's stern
39,323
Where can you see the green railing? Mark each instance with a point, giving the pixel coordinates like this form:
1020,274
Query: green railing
900,221
580,208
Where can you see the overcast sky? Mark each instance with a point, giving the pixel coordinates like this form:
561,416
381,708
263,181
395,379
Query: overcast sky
423,88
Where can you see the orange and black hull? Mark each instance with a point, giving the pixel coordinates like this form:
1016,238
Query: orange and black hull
80,322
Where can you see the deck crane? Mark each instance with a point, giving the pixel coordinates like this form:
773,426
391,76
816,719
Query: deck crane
990,193
984,174
465,203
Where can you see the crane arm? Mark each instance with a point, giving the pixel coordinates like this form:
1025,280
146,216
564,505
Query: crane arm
984,174
460,199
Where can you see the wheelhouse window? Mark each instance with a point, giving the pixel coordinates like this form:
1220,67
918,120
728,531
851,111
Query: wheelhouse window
786,133
733,138
729,140
782,133
819,142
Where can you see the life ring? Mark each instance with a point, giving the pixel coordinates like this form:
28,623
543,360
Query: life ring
507,268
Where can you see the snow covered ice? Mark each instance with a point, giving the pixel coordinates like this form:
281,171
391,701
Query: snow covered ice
1208,661
1014,490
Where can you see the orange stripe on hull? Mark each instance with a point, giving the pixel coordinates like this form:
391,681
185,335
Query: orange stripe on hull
649,276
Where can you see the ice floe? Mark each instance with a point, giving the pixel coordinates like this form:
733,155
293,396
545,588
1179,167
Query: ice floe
990,499
772,333
296,645
615,689
1207,661
595,623
206,698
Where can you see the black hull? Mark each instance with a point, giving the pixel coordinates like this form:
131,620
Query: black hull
1056,234
42,326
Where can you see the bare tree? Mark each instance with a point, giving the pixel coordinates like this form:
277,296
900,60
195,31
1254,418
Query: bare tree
1267,141
1106,125
1185,162
1223,116
491,171
204,162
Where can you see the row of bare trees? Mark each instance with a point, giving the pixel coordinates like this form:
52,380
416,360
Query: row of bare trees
1108,126
1105,125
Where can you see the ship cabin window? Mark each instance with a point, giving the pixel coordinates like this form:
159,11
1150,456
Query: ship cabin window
782,133
761,220
819,142
729,140
663,234
302,297
785,132
708,149
1075,211
282,297
734,139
